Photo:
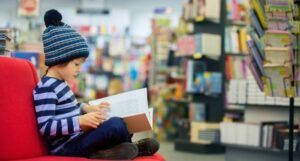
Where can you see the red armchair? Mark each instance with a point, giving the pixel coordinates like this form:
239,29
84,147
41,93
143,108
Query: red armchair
19,137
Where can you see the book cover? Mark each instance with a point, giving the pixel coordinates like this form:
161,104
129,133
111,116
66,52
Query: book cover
197,112
259,9
277,38
256,41
278,55
256,23
278,79
257,76
257,56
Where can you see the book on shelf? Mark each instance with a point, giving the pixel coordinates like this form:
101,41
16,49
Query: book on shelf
198,10
240,133
278,55
205,133
236,38
257,26
256,74
213,10
257,57
132,106
197,112
277,38
266,134
257,42
277,81
260,12
271,137
206,47
279,6
235,68
237,10
208,83
191,67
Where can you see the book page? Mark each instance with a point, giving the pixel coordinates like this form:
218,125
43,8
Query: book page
150,116
126,104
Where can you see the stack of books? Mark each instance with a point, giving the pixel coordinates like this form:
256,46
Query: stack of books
5,38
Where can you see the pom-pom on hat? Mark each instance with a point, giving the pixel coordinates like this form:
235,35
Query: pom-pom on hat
61,42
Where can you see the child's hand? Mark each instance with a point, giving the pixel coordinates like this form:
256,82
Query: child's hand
93,108
91,120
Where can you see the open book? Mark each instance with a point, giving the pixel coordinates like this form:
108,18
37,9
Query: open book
132,106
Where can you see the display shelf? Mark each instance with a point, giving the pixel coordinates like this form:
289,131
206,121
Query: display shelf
241,111
263,105
187,146
250,153
236,54
233,23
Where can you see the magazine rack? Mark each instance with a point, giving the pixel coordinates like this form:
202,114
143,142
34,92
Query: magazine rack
265,22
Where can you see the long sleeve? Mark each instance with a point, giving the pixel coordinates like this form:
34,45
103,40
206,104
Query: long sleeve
50,123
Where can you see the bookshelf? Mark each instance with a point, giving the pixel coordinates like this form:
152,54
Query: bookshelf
272,101
206,29
235,60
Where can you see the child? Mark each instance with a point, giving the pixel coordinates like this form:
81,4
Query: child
71,128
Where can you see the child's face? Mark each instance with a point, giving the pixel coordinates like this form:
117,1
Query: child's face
71,70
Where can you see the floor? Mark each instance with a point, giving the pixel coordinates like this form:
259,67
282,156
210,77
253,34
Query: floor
167,150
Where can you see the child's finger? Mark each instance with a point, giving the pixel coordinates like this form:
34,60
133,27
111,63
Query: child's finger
104,103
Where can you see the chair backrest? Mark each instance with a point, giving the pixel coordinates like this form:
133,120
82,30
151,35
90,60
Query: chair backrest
19,136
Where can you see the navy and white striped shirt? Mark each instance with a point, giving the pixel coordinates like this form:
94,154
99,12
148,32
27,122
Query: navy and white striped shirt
57,112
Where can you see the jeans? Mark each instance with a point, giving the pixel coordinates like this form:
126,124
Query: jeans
112,132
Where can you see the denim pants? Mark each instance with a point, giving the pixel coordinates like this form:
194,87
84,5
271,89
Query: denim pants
112,132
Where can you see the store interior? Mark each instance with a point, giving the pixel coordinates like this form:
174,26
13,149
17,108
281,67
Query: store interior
208,66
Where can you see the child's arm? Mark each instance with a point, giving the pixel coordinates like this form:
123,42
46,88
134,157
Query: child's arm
49,123
91,120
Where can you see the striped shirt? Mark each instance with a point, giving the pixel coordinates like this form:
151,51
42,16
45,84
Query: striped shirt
57,112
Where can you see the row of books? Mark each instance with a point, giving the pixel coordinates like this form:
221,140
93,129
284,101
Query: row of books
205,133
273,135
237,11
199,43
235,39
199,10
5,38
236,68
247,92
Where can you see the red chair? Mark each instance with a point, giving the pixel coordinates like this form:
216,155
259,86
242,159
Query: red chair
19,136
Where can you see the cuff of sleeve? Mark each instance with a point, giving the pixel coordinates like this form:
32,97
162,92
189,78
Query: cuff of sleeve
81,105
76,125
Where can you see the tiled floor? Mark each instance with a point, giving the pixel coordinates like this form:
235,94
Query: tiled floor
167,150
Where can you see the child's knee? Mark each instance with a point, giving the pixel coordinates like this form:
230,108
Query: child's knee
117,124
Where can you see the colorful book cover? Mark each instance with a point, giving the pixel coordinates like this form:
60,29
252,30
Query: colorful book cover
278,5
197,112
275,55
277,38
257,76
256,23
259,9
256,41
208,82
277,81
257,56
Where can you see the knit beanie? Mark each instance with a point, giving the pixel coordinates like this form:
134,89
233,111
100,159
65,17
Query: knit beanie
61,42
